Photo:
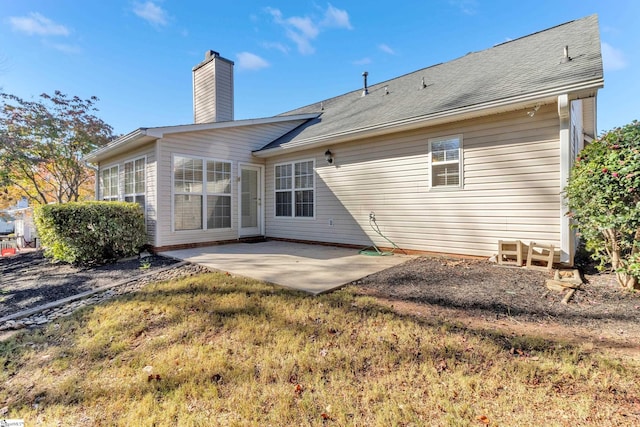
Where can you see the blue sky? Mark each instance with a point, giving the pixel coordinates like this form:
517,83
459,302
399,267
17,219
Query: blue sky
137,55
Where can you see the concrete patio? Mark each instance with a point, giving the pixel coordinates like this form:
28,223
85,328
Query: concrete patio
311,268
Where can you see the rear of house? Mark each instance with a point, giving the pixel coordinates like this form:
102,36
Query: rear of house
450,159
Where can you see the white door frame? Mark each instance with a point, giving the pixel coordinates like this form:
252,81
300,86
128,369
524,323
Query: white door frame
259,230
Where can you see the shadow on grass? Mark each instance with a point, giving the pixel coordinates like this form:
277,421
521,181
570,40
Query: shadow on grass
196,306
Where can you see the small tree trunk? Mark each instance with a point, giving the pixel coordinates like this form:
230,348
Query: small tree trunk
628,281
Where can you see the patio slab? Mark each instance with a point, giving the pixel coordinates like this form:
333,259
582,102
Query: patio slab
311,268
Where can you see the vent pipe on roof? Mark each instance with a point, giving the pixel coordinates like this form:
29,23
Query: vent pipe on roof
366,89
566,57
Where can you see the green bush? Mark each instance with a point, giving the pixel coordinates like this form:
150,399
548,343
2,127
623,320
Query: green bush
91,232
603,196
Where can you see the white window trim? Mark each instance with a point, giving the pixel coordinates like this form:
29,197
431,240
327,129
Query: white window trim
115,198
460,164
124,181
293,189
203,194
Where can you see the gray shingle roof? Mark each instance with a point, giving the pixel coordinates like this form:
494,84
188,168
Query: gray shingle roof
527,65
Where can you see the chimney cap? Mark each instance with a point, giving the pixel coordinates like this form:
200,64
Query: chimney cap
211,53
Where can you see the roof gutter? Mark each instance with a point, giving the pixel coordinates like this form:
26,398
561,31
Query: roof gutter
472,111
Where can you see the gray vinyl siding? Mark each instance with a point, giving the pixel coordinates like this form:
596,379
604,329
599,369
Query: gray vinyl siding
149,153
232,144
511,188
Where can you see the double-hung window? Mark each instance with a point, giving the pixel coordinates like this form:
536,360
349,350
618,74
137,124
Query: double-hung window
445,162
134,182
218,194
294,189
109,183
201,193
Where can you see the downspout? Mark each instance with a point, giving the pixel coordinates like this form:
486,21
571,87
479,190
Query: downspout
566,240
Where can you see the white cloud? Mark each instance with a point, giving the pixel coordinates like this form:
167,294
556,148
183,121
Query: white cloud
277,46
250,61
35,23
468,7
303,30
613,59
64,47
305,26
386,49
363,61
151,12
336,18
303,43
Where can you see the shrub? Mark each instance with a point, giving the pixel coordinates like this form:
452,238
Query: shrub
603,195
91,232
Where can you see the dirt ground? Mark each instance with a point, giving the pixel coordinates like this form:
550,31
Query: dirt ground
479,294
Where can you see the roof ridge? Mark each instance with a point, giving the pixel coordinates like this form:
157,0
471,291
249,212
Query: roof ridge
541,31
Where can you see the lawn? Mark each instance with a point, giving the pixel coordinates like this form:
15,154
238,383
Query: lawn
215,349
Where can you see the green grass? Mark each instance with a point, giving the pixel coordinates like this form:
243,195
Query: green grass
220,350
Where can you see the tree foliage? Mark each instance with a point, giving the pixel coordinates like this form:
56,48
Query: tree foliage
603,195
42,144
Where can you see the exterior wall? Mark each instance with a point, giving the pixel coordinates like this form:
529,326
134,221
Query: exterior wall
232,144
511,188
148,151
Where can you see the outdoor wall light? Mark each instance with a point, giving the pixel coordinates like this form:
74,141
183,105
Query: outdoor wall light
329,156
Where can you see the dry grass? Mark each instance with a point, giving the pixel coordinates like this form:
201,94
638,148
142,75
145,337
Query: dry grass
219,350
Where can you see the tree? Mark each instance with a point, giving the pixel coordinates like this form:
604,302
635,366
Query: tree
603,196
41,148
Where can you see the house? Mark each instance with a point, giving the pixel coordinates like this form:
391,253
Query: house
451,158
6,224
21,224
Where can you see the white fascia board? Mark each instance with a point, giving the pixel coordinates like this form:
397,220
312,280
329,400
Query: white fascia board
137,135
144,135
160,132
464,113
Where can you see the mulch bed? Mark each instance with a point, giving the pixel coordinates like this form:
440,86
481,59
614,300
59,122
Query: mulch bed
493,292
29,280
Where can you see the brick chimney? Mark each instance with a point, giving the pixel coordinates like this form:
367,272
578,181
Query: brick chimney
213,89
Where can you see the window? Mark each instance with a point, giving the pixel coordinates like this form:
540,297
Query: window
446,162
294,189
202,189
109,183
218,194
134,182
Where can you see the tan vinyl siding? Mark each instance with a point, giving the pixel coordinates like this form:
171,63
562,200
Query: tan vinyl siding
234,145
511,188
149,153
213,92
204,94
224,92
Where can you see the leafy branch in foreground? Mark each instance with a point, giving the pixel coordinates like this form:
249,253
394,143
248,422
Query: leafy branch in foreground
604,199
42,144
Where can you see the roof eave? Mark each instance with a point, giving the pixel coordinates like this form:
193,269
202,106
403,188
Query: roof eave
144,135
582,89
130,140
